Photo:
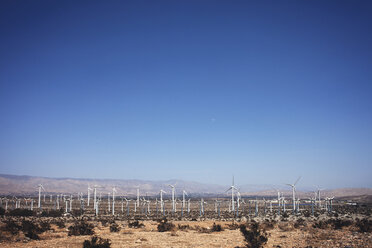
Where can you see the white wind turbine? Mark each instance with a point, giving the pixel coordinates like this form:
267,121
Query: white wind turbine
138,196
318,196
95,201
40,186
232,188
161,200
173,196
183,199
294,192
113,200
89,189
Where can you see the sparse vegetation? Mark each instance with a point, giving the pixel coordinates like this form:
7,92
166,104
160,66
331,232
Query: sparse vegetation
21,212
254,238
81,228
52,213
97,242
165,226
114,227
216,228
364,225
135,224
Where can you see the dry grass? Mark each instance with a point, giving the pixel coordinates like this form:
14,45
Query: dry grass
148,236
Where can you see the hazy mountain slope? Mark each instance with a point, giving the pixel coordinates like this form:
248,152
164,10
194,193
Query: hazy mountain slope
11,184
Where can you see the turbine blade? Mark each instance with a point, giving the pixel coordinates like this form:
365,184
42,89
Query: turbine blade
298,179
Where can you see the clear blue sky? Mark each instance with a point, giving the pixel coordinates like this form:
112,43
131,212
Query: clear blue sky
193,90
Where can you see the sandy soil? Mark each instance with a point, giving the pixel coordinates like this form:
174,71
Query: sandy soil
282,235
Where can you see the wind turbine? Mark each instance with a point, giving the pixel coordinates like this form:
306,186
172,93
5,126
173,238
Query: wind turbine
113,200
89,189
183,199
318,196
138,197
173,196
40,187
294,193
232,187
161,200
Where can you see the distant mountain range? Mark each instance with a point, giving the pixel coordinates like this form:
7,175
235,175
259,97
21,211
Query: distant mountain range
27,185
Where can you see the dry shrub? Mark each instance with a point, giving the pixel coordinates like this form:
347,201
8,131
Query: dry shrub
233,226
299,223
114,227
364,225
254,238
60,223
216,228
81,228
12,227
97,242
165,226
21,212
183,227
52,213
135,224
202,229
320,224
268,225
285,227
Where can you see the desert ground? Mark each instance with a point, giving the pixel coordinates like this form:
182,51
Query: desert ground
287,232
342,226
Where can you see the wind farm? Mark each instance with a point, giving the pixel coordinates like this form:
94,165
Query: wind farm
276,207
185,124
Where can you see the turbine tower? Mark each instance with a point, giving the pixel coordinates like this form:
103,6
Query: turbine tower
173,196
40,187
138,196
113,200
89,189
183,199
161,199
232,187
294,193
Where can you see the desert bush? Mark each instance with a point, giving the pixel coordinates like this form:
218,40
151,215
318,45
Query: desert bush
44,226
165,226
31,230
52,213
233,226
285,214
21,212
135,224
81,228
12,227
2,211
97,242
299,223
364,225
284,227
77,212
320,224
60,224
307,213
202,229
104,222
216,228
114,227
337,224
268,225
183,227
254,238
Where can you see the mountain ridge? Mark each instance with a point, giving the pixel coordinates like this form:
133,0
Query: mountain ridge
27,185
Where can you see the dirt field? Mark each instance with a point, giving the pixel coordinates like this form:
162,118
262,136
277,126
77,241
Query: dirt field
197,234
